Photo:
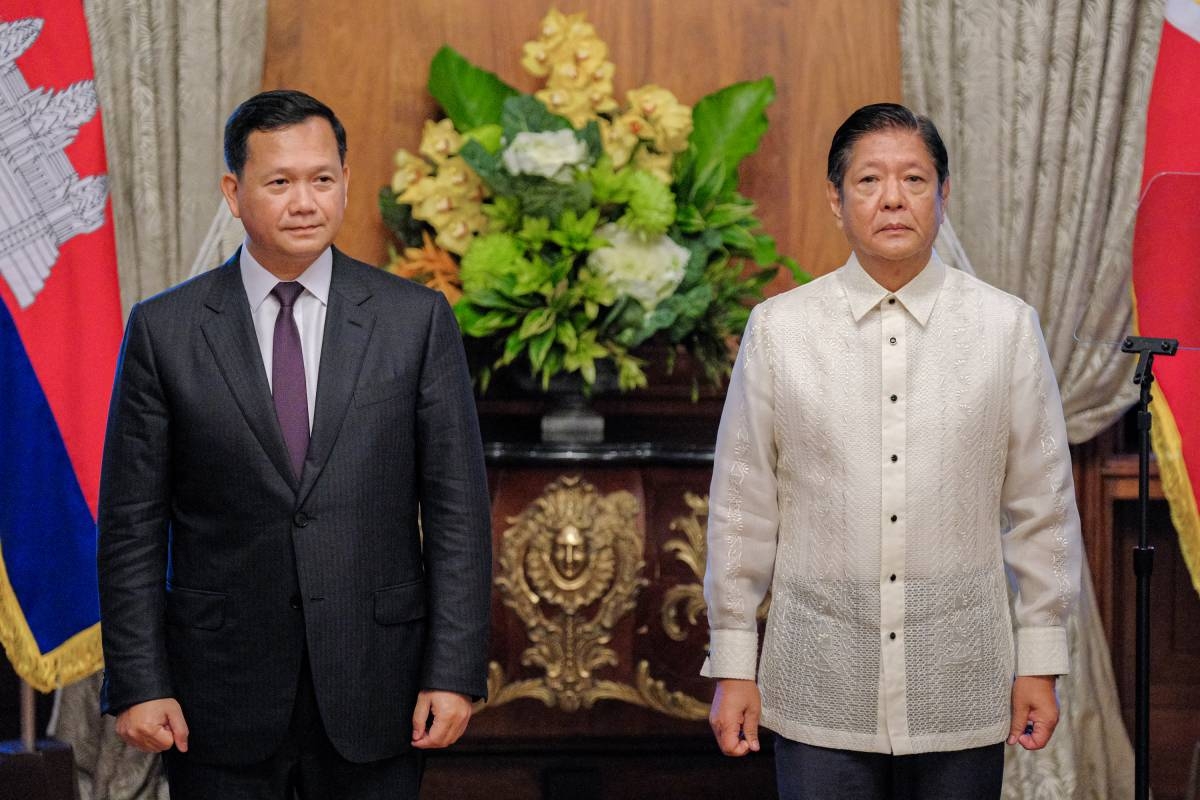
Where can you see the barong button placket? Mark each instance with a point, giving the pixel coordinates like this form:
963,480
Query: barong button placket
893,439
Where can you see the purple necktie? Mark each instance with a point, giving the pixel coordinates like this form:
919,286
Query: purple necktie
287,376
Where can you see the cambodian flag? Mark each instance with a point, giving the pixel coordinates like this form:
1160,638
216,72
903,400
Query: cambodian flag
1166,269
60,331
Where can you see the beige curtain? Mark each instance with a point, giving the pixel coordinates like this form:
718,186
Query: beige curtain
1042,105
168,73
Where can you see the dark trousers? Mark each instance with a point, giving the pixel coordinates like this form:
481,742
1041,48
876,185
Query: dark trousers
805,772
306,767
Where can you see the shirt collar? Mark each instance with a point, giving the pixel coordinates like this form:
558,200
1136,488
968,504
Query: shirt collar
259,282
918,296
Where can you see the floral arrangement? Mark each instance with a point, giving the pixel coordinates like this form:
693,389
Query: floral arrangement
567,229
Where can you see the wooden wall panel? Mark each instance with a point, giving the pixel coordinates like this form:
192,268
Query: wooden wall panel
370,60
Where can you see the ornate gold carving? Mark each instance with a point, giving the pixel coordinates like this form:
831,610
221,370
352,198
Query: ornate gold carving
692,550
571,569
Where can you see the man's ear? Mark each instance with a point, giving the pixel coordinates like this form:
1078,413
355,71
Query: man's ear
346,185
945,193
229,185
835,201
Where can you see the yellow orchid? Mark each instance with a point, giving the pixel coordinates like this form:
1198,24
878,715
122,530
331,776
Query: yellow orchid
460,229
572,104
409,170
657,164
670,121
618,140
440,141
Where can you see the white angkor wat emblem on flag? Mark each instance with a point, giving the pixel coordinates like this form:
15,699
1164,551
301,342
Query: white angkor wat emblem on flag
43,201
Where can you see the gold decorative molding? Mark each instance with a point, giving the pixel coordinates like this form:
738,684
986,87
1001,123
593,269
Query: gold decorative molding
571,568
687,599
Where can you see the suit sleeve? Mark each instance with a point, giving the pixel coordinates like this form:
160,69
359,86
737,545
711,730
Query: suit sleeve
133,527
455,514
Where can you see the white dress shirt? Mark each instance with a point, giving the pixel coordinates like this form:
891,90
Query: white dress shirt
309,313
883,458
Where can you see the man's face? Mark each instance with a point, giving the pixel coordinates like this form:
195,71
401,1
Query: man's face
291,196
891,205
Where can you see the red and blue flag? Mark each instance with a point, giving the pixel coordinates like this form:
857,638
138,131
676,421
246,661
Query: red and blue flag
60,332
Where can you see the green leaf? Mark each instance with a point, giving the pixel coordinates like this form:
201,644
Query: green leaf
488,167
539,347
689,219
727,126
489,136
470,96
481,326
541,197
798,274
514,345
526,113
536,323
590,135
724,214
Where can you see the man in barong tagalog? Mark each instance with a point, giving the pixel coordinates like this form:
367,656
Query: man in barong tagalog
891,454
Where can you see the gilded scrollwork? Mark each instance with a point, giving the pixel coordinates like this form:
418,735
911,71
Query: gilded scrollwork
571,568
686,600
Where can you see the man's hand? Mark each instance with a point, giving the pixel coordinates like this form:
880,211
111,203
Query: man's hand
154,726
1034,711
451,712
734,716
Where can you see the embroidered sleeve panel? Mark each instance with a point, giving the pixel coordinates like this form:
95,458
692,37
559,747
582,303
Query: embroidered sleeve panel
743,505
1042,549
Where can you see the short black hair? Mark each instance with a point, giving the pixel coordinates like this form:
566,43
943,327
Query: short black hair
882,117
268,111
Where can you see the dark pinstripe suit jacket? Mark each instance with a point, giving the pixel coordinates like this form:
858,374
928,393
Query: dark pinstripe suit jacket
217,566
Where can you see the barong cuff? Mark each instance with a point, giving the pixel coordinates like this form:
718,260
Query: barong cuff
1042,651
732,654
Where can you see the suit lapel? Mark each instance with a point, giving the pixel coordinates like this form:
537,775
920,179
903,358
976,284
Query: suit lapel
229,332
348,327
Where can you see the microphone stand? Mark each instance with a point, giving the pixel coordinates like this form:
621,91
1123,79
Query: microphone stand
1143,555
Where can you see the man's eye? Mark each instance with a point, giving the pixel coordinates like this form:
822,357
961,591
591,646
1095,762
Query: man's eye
868,179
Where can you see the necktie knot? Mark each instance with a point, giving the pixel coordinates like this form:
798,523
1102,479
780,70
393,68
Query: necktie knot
286,293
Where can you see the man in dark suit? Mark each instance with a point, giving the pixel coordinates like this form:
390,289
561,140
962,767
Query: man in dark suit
295,539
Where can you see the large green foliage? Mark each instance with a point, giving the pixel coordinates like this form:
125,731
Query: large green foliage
470,96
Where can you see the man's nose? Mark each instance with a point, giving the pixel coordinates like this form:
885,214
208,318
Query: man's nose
301,200
893,197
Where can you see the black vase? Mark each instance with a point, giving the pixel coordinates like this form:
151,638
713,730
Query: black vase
570,419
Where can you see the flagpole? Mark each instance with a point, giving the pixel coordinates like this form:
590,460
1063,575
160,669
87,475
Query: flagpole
28,719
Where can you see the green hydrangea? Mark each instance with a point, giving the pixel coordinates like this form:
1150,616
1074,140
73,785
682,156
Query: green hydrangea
651,205
493,262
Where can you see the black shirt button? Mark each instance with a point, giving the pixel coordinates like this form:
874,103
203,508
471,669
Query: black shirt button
893,517
892,340
892,578
893,398
895,458
891,635
891,301
301,519
294,602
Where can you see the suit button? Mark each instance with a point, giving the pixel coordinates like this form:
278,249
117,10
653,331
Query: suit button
294,602
301,519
